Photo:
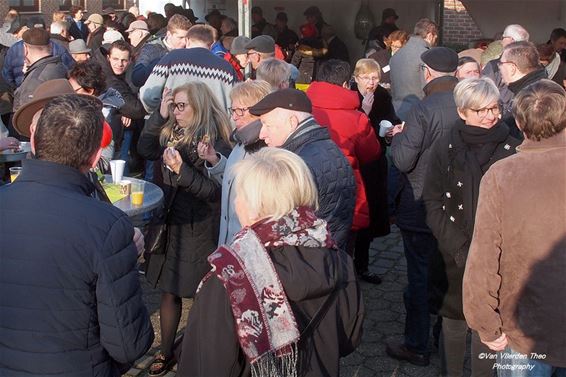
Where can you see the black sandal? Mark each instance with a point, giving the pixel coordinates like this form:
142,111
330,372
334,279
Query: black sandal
370,277
160,366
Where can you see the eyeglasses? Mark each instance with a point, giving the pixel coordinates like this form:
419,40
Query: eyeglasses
238,111
482,113
252,53
180,106
500,63
423,67
369,78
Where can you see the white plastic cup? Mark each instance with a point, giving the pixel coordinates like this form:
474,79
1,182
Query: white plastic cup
384,126
117,169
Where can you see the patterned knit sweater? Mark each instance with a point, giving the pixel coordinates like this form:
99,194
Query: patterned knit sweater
184,65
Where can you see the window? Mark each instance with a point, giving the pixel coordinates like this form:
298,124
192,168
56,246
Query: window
116,4
66,4
24,5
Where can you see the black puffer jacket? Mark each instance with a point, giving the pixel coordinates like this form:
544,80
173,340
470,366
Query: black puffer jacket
427,121
70,298
210,345
332,174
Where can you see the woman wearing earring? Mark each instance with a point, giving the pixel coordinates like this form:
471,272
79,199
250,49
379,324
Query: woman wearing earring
188,115
457,163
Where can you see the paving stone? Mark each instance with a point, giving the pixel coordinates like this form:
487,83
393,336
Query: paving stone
144,362
133,372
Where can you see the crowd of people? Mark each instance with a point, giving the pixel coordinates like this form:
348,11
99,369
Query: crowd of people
280,163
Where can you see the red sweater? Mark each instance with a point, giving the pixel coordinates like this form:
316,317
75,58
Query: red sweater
336,108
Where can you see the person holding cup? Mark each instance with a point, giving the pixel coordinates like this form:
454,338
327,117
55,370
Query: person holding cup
375,102
189,114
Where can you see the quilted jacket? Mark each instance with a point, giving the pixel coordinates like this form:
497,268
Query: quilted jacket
332,174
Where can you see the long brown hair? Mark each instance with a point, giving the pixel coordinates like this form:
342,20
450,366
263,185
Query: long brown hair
208,116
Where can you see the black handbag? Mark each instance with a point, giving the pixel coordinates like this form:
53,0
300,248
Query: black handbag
156,231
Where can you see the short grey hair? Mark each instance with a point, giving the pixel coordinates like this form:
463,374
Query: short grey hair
475,93
276,72
58,26
516,32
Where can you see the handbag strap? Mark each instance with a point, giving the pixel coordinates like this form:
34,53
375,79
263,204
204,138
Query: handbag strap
323,309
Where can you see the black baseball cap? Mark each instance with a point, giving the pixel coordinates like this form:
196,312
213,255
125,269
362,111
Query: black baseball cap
290,99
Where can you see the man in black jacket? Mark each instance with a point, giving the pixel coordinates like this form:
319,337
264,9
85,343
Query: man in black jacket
411,149
71,297
288,123
115,65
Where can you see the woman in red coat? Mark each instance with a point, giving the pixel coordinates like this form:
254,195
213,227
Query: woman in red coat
336,107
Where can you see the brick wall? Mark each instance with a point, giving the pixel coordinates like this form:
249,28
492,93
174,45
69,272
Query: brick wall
459,27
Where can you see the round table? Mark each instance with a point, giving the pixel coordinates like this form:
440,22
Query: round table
152,197
10,156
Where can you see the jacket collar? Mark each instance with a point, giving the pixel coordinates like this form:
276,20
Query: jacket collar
307,130
440,84
44,61
54,174
248,134
556,141
530,78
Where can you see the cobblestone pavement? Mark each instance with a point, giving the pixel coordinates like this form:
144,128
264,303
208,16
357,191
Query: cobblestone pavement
384,322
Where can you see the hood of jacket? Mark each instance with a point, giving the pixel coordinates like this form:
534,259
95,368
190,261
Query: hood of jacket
330,96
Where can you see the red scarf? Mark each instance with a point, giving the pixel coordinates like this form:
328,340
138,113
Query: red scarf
265,324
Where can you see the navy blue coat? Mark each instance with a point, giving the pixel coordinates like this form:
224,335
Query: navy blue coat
70,298
332,174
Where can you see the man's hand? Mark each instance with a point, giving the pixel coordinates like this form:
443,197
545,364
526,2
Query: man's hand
139,241
126,122
206,152
9,143
172,159
498,344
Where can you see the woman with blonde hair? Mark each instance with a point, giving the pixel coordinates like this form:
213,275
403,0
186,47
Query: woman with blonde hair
377,105
188,115
281,300
246,138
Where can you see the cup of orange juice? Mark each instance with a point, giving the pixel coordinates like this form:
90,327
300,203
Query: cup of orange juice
14,172
136,196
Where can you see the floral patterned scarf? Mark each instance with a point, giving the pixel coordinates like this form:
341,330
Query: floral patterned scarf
265,324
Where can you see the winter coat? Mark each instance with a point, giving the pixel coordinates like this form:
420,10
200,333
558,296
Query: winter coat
184,65
150,54
336,108
193,218
451,197
76,31
514,278
333,176
71,300
59,39
337,49
410,150
383,57
407,80
210,345
235,64
12,70
94,40
375,174
248,142
45,69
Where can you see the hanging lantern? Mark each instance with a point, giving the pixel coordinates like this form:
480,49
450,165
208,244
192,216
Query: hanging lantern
364,21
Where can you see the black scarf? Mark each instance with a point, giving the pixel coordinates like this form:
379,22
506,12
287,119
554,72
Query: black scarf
483,141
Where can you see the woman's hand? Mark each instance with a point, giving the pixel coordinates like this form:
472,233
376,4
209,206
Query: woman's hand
166,101
207,152
395,130
9,143
172,159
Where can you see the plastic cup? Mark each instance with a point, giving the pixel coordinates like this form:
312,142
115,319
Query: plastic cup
384,126
117,170
136,197
14,173
125,187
